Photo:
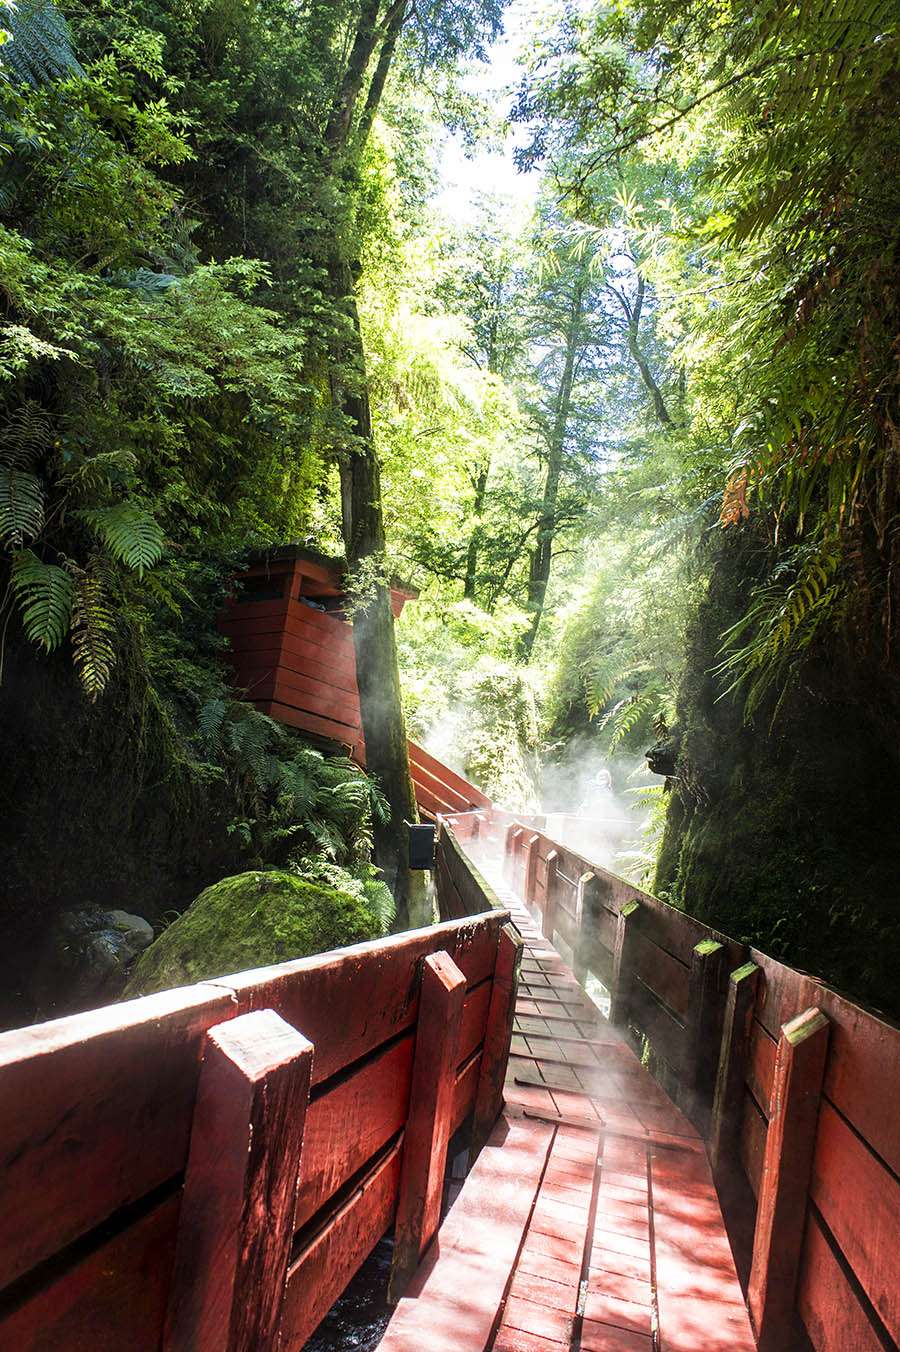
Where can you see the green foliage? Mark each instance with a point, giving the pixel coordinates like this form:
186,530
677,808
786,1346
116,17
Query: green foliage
46,595
40,44
130,534
295,801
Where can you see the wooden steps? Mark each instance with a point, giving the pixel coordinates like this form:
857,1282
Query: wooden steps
622,1246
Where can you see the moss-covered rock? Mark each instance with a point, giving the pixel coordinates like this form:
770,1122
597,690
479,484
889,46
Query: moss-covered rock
251,920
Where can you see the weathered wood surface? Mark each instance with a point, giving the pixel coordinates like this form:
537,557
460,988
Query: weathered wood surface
592,1271
429,1124
733,1056
237,1212
782,1203
96,1115
498,1035
453,1300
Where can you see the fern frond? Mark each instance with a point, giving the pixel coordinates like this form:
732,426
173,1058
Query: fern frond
93,627
130,533
46,595
26,437
21,506
40,48
209,721
102,470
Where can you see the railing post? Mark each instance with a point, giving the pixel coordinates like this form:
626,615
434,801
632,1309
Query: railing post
430,1112
236,1223
497,1038
513,834
587,887
706,1002
623,962
729,1095
549,914
782,1202
530,869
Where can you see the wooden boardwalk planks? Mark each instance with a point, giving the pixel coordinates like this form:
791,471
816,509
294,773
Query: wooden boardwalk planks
624,1247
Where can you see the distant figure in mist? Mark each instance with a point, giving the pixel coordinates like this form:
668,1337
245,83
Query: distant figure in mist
596,790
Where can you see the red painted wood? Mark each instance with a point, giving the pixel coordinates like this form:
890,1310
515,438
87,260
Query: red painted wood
668,978
322,1269
752,1142
464,1092
781,1213
349,1124
272,657
733,1057
350,1002
343,733
830,1309
761,1067
548,900
430,1111
112,1299
95,1112
237,1212
698,1294
455,1295
859,1200
419,756
497,1036
440,790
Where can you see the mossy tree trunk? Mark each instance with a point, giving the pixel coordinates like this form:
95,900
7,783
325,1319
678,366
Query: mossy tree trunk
387,756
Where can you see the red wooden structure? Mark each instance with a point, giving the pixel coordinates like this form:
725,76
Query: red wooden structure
292,652
204,1170
794,1090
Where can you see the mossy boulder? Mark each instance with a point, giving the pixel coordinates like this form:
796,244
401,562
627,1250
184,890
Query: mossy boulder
251,920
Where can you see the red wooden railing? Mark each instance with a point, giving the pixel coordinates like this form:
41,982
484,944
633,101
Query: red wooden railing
796,1089
205,1169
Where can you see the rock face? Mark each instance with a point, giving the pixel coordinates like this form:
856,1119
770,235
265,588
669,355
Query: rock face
86,959
251,920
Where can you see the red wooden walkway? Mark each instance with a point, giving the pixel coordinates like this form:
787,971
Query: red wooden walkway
591,1220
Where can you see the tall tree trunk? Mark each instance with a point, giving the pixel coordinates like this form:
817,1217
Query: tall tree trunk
483,469
377,670
381,710
542,554
632,339
481,483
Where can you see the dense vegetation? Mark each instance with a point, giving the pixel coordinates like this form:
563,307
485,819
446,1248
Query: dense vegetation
634,440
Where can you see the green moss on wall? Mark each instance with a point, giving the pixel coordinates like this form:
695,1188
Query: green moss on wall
251,920
783,833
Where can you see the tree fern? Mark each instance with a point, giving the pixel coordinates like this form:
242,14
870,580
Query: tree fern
21,506
93,627
40,45
131,534
46,595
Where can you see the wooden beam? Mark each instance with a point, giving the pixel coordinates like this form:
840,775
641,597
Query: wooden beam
497,1037
703,1028
430,1112
782,1202
530,868
514,834
587,885
729,1095
236,1222
548,914
627,922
